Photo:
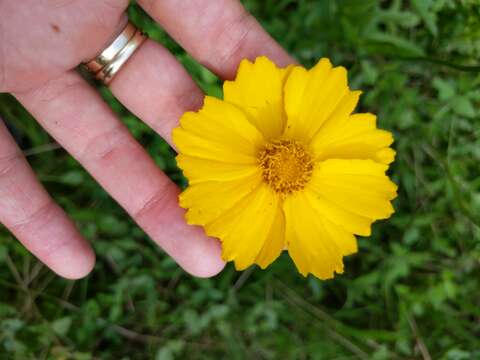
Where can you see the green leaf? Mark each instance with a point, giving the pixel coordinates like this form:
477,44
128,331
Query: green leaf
399,45
62,326
171,350
405,19
446,90
3,253
424,10
73,178
463,106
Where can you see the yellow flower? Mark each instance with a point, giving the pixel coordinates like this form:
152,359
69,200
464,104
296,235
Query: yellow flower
281,163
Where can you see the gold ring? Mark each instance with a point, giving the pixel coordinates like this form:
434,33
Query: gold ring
115,55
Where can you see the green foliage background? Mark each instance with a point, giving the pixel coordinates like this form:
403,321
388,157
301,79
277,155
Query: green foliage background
413,290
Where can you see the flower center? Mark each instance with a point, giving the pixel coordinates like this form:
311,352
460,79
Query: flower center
286,166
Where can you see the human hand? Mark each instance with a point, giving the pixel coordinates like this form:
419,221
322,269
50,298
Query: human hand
41,44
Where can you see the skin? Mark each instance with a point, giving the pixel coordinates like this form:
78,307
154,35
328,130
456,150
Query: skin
41,44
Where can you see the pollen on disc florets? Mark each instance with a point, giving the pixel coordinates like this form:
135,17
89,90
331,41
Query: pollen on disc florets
286,165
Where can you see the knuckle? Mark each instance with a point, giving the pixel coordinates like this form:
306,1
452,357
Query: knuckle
34,224
233,40
118,5
3,86
154,206
3,72
28,222
191,99
9,163
108,14
52,89
37,218
148,5
103,146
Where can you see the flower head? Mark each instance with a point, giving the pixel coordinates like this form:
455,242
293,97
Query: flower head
282,163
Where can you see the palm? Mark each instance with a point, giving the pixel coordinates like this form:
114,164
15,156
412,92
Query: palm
42,40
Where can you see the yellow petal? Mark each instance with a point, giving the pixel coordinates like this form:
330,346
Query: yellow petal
275,243
385,156
357,186
198,170
206,201
313,97
355,138
244,229
258,90
348,220
315,244
341,114
219,131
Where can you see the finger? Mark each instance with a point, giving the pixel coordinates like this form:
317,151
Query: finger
74,114
219,34
156,88
31,215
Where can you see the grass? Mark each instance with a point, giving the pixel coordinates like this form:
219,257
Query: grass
413,290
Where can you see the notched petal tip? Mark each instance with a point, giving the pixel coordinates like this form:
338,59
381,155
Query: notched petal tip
264,59
240,266
386,156
324,61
